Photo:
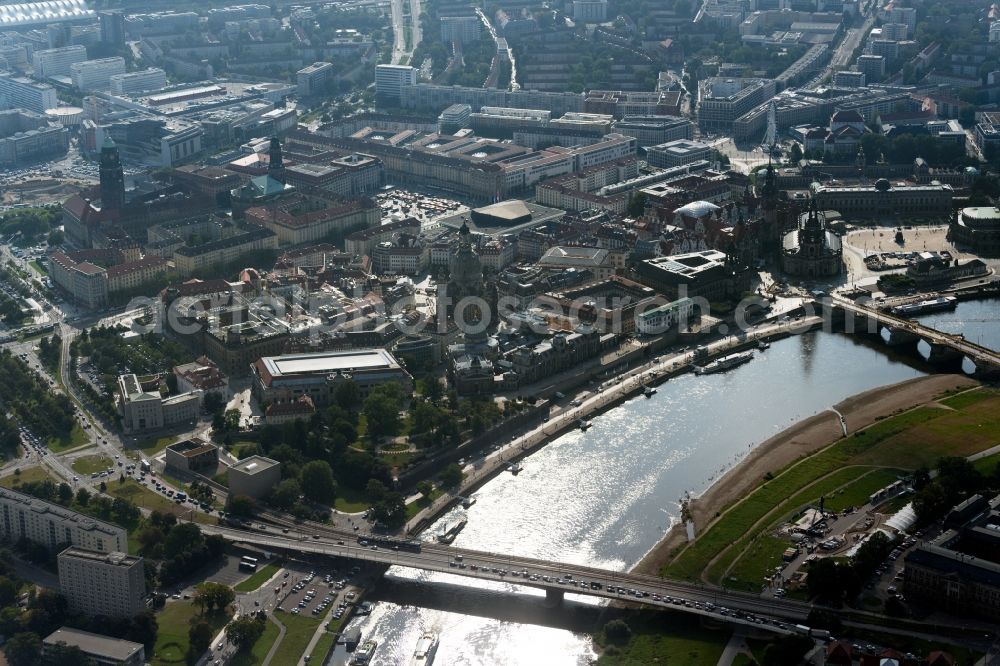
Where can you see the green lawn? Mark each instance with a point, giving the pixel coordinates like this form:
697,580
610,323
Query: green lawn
860,491
350,500
967,398
154,445
172,637
413,508
764,551
258,578
145,498
987,464
968,430
27,475
91,464
743,660
38,267
299,631
77,437
664,638
916,437
256,654
322,648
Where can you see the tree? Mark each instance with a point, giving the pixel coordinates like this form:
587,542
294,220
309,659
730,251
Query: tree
82,497
425,488
452,476
375,490
65,493
213,596
241,505
795,153
285,494
317,482
61,654
182,538
381,411
213,402
617,632
199,638
24,649
636,204
348,396
244,631
151,541
8,591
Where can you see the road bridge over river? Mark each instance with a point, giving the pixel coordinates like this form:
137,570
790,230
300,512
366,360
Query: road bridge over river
556,578
944,347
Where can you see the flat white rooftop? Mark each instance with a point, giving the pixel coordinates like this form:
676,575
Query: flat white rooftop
330,362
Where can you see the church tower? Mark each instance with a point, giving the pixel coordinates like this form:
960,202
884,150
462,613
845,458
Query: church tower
112,177
275,166
467,281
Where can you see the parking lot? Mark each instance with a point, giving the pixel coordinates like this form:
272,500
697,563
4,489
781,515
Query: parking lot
316,591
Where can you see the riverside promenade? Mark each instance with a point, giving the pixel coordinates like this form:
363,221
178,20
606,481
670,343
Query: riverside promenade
611,393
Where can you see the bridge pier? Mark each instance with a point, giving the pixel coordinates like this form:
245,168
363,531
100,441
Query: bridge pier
942,354
897,337
553,598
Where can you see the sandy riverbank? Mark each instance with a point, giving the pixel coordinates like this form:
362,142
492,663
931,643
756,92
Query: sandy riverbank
803,438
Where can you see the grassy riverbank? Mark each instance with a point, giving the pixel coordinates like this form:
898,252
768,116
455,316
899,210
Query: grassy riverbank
959,425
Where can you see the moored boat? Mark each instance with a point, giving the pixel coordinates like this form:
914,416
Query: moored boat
724,363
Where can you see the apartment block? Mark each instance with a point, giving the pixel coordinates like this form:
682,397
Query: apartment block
57,62
20,92
96,74
461,29
390,79
96,583
314,79
134,83
25,517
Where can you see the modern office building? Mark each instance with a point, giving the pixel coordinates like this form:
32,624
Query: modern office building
654,130
193,455
849,79
92,75
112,27
678,153
98,583
461,29
702,273
454,118
872,66
98,650
133,83
318,375
26,517
26,136
314,79
390,79
57,62
20,92
254,477
722,100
